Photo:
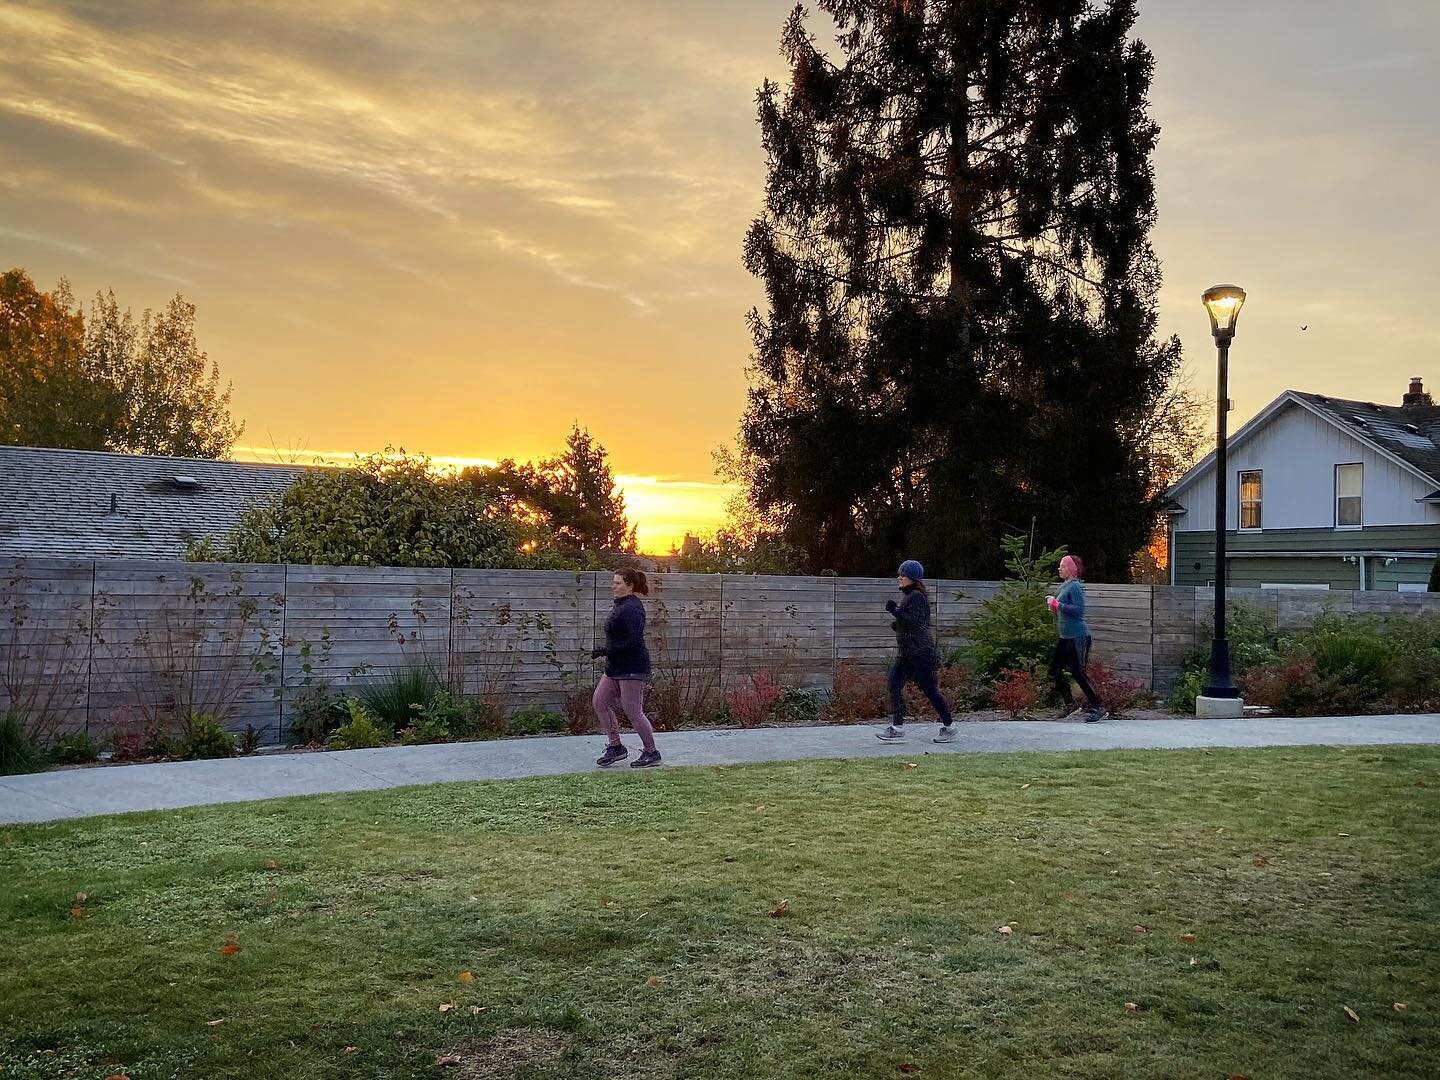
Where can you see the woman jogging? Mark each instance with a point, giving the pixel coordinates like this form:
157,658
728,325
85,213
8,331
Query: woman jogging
627,669
1072,650
917,661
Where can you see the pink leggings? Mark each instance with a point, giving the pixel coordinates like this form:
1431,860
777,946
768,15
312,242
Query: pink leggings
630,693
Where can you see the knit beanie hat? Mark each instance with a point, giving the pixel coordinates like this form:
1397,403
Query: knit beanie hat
913,570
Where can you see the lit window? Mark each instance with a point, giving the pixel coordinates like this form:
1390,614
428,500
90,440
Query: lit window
1349,491
1250,499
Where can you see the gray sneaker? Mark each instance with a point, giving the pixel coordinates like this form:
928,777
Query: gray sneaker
1095,715
891,733
945,734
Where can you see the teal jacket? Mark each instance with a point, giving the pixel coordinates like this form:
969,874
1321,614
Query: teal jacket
1072,610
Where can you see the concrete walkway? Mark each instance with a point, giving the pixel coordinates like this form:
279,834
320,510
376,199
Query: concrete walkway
74,793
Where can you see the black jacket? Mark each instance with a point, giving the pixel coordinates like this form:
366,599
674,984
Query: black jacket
912,623
625,652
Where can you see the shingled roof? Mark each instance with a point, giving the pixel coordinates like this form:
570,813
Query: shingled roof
1410,432
88,504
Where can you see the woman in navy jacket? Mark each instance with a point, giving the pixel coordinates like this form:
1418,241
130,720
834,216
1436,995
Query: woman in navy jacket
627,670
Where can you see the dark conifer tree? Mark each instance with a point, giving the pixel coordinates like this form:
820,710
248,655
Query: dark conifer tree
959,338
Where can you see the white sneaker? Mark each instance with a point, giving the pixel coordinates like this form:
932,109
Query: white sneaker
891,733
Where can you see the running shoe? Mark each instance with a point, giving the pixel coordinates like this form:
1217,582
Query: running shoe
891,733
646,759
611,755
945,734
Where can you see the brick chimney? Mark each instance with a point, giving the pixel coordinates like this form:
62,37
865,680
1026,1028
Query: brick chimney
1417,394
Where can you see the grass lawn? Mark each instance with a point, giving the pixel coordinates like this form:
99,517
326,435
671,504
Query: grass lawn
620,925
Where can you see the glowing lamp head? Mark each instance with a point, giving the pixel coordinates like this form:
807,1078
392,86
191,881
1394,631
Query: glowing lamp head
1223,302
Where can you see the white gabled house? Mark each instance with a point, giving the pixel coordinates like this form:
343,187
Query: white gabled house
1321,492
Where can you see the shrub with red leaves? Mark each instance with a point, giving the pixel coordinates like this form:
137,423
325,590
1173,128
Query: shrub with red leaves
1016,692
1117,693
858,696
752,703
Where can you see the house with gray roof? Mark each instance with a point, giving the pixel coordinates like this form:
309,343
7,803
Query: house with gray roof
89,504
1322,493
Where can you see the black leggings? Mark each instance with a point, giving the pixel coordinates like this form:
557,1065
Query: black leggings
1069,658
921,671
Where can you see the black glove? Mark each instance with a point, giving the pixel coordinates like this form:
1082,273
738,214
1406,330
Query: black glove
891,606
595,654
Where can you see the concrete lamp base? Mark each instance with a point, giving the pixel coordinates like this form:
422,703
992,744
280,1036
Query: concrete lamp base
1219,708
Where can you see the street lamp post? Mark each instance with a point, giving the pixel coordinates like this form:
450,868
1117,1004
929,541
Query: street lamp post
1220,698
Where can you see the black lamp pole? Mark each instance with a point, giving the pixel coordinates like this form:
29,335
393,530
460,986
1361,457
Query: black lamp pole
1223,303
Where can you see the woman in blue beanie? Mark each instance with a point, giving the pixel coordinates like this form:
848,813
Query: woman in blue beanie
917,660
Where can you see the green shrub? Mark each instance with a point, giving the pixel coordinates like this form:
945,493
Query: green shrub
1414,675
425,729
798,705
1254,636
204,739
1352,657
1014,629
536,721
248,741
1187,689
465,717
315,711
18,752
76,748
394,699
360,732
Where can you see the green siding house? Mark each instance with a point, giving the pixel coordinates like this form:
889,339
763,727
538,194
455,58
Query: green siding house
1322,493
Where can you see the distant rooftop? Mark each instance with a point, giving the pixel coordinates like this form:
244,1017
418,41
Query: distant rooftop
92,504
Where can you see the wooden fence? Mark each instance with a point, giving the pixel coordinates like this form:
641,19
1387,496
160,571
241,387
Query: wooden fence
97,641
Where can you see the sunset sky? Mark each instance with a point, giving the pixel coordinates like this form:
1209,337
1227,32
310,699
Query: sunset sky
458,227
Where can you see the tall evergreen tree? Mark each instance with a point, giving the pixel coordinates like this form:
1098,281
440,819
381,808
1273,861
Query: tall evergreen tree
960,334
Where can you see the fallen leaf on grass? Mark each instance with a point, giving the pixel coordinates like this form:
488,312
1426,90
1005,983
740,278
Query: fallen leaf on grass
349,1050
1131,1006
1069,897
78,913
1024,786
446,1006
465,976
1006,930
607,901
476,1010
1352,1014
1399,1006
118,1076
449,1061
781,909
230,948
1238,1076
654,980
729,858
907,766
214,1023
1259,860
908,1067
1187,938
760,806
1419,783
1141,929
271,864
81,897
